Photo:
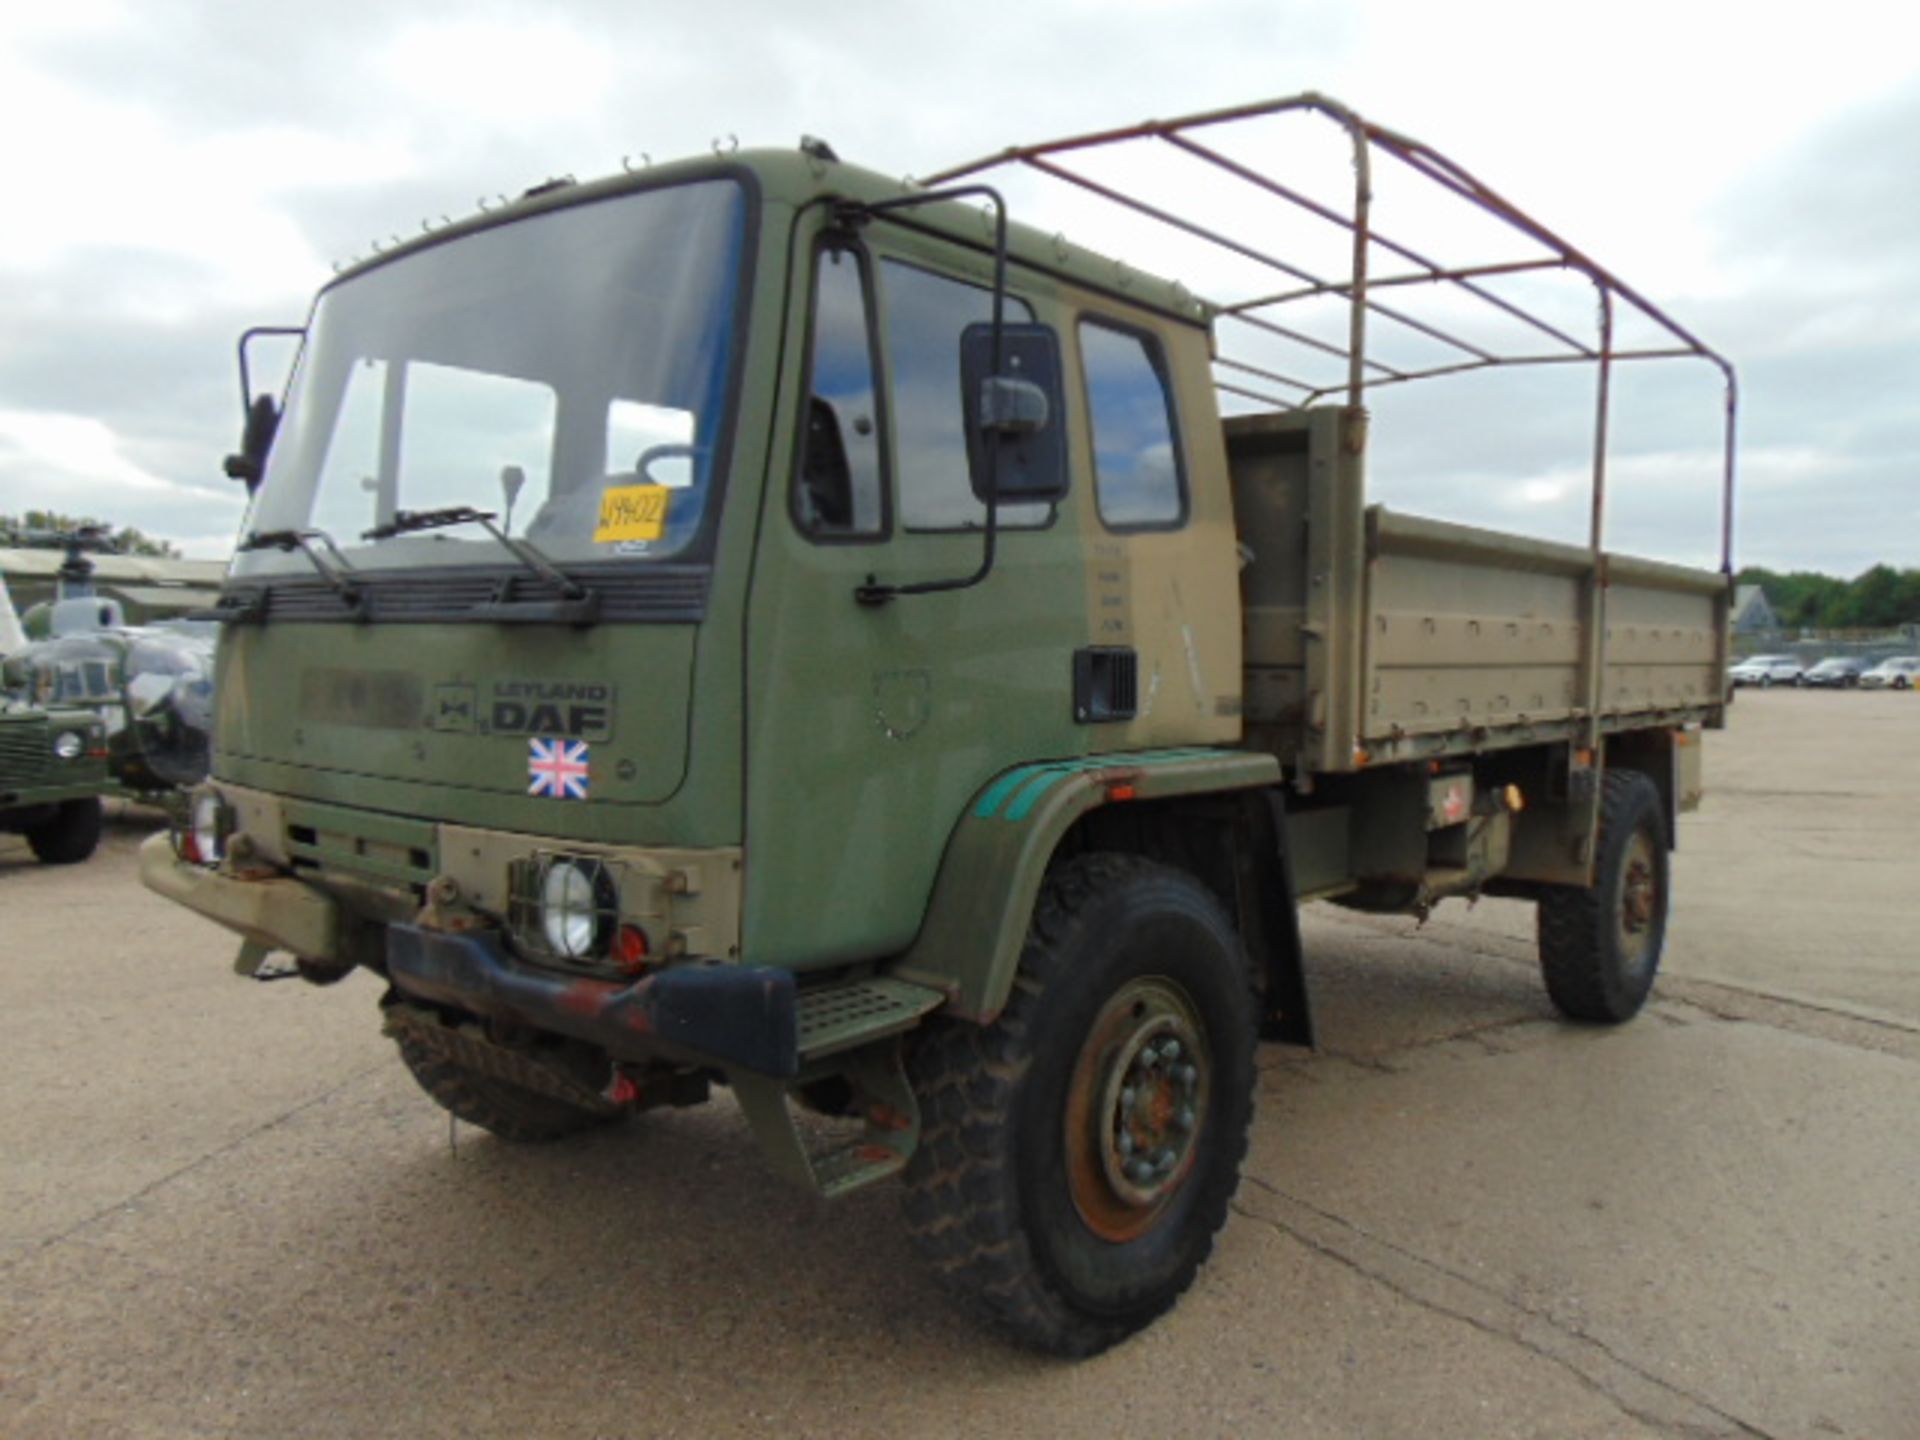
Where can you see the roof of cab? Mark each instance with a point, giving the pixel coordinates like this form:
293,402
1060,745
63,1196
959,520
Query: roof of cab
793,178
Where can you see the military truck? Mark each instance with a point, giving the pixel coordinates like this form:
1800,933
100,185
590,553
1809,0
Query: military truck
754,622
53,768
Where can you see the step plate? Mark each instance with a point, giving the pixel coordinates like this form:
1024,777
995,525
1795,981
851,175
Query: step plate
840,1017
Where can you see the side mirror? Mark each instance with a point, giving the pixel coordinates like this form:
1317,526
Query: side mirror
256,439
1017,406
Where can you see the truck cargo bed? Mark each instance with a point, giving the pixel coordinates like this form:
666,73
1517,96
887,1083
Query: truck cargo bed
1372,636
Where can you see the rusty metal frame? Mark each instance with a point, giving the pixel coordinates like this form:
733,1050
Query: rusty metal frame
1362,290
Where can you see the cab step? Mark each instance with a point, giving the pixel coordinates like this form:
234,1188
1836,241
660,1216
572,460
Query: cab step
841,1017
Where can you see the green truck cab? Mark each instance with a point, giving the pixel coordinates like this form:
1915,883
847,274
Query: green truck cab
53,769
625,663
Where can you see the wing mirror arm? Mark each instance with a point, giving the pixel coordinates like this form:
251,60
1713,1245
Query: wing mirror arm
873,592
262,413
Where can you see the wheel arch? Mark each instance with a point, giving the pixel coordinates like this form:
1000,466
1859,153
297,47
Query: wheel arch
1670,758
1214,813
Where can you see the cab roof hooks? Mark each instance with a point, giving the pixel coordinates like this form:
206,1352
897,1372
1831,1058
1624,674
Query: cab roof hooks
726,145
626,163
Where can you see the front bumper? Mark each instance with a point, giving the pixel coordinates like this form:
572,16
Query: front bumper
731,1015
738,1016
276,911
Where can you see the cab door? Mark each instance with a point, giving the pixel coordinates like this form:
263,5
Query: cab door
870,727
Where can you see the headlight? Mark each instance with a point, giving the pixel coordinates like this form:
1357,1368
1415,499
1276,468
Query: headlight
209,829
69,745
577,905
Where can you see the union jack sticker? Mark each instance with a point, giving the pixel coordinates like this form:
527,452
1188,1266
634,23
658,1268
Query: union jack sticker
557,768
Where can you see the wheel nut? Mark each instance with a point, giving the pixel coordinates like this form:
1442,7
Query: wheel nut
1170,1050
1140,1172
1186,1075
1127,1097
1125,1143
1184,1120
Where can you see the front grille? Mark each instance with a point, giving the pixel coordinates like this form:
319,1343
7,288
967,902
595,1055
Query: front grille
382,849
24,752
659,594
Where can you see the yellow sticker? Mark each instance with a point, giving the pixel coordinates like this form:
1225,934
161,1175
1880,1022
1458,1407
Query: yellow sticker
632,512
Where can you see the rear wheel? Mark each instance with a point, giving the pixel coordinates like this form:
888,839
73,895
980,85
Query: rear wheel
1600,946
1079,1153
70,836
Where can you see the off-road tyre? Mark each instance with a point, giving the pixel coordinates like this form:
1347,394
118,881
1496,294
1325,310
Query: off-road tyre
1007,1196
70,836
1600,947
497,1106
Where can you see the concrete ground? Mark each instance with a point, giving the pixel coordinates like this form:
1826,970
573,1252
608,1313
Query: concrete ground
226,1211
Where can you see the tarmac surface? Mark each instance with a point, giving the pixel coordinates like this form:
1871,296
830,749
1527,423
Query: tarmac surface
226,1211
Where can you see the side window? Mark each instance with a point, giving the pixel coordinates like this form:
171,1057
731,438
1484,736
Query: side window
925,315
840,486
1136,459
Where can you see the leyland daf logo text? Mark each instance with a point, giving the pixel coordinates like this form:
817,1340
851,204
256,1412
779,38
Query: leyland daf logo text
580,709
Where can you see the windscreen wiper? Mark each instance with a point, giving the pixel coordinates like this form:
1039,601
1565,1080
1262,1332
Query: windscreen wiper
301,540
580,606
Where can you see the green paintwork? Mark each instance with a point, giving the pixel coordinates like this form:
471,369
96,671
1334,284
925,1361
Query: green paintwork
977,921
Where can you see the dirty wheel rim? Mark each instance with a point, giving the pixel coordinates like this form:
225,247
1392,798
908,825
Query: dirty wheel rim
1639,907
1136,1107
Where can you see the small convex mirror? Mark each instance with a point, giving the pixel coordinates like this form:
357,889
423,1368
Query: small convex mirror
1020,406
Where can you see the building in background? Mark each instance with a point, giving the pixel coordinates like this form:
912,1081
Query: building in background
147,588
1752,615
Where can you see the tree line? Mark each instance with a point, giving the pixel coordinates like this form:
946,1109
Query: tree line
1878,599
43,529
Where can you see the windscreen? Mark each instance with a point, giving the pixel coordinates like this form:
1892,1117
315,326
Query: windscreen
567,372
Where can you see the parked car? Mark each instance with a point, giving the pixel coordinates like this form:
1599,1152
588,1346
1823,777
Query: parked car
1766,670
1838,672
1902,672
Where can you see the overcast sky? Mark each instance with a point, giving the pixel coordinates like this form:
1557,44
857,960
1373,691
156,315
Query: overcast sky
178,169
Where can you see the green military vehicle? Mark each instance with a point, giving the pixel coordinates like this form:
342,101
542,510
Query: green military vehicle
754,622
53,765
53,768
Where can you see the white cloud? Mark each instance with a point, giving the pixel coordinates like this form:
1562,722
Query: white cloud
187,164
68,448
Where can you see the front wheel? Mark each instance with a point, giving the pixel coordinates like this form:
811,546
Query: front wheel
70,836
1600,946
1079,1153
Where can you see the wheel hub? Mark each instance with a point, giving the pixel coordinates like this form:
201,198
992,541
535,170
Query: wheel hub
1639,903
1136,1107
